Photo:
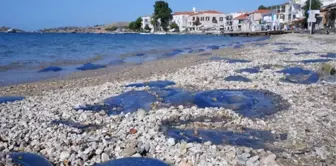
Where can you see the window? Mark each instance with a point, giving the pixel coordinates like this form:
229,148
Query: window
207,18
194,18
214,20
146,20
202,18
221,18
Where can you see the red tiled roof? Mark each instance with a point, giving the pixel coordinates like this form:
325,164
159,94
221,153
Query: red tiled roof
262,11
241,17
183,13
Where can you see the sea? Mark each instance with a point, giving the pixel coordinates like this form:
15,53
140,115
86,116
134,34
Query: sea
24,56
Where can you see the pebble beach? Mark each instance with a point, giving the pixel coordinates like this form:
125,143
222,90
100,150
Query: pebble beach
294,121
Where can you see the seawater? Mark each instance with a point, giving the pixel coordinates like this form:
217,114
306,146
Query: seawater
22,55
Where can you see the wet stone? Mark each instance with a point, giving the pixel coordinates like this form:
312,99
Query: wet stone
304,53
152,84
125,103
116,62
213,47
134,161
50,69
299,75
74,124
201,132
237,78
329,55
8,99
29,159
249,103
249,70
90,66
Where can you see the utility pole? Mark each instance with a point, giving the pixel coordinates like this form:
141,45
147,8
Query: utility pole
310,23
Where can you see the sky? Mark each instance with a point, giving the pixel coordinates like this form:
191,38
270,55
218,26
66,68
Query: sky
38,14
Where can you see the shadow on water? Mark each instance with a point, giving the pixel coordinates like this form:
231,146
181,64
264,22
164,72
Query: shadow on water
237,78
8,99
50,69
213,47
299,75
196,51
90,66
219,132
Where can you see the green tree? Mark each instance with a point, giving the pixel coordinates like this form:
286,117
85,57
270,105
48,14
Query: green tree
163,13
174,26
262,7
315,5
135,25
111,28
147,28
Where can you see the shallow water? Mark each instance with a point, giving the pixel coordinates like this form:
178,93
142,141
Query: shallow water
8,99
27,53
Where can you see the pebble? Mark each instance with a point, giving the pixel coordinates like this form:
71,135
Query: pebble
171,141
128,152
64,155
104,157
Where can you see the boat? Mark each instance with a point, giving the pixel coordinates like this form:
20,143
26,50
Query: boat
144,33
160,33
11,31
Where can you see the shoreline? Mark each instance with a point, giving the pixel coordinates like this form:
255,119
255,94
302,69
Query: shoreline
299,130
119,72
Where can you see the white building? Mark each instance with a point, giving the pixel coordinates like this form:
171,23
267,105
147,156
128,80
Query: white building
181,19
324,2
209,20
146,20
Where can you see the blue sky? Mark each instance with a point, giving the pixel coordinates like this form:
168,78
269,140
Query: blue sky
36,14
